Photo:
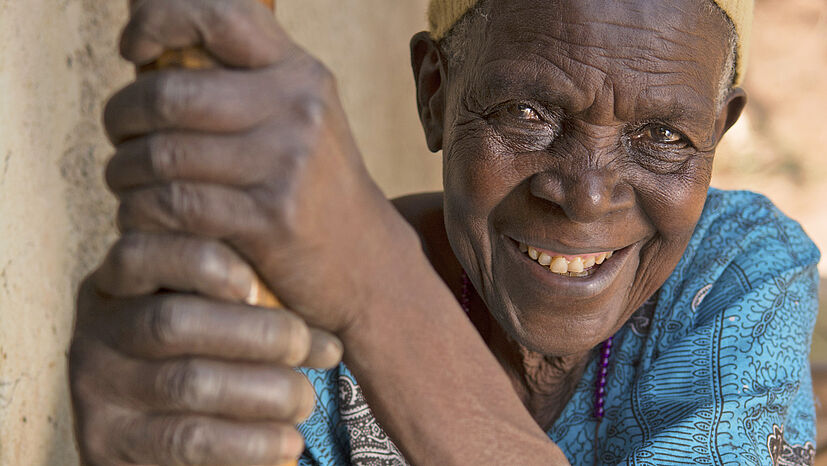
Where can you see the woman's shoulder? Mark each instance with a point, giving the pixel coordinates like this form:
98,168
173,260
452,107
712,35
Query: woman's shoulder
751,223
424,212
744,232
749,270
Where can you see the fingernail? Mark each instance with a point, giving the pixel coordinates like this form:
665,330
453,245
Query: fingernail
252,294
243,283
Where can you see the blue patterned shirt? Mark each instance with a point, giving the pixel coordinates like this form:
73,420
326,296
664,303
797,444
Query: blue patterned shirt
713,369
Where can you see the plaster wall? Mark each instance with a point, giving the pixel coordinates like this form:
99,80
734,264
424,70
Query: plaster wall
58,63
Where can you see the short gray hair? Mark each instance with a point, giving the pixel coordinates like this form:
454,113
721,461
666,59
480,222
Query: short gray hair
456,43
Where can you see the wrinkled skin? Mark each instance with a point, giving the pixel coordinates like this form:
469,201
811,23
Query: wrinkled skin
160,375
557,137
586,171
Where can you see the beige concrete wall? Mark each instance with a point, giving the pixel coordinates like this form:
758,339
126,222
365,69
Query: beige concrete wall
58,63
56,67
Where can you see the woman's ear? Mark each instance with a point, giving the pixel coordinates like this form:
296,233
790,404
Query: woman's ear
730,111
430,87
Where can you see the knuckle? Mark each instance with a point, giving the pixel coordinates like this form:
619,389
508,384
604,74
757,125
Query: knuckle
126,256
186,440
310,109
164,322
170,94
316,93
182,384
183,202
325,81
286,333
224,17
322,74
211,259
164,153
285,220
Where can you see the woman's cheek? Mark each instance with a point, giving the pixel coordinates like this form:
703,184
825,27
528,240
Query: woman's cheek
475,179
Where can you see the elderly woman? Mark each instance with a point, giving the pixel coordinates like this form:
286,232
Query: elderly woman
576,295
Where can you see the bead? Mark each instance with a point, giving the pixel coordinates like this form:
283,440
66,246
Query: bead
600,383
465,298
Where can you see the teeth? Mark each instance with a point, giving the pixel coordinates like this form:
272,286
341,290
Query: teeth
559,265
577,267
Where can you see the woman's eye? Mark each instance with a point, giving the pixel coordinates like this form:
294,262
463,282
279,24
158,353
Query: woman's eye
661,135
524,112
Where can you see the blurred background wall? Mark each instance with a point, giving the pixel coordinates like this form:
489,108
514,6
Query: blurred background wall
58,64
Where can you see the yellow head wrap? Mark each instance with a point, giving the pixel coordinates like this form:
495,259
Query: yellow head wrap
443,14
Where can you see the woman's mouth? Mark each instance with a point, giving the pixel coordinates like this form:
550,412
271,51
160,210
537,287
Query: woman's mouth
578,266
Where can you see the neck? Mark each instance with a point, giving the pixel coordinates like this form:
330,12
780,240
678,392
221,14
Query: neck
544,383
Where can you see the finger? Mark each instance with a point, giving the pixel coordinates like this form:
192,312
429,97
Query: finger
237,160
201,386
200,440
208,210
172,325
326,350
214,100
240,33
143,263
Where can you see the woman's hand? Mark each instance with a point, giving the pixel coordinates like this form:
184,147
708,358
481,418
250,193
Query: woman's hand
172,378
252,158
256,153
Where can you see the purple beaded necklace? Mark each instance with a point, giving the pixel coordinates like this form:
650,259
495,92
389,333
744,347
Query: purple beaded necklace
605,354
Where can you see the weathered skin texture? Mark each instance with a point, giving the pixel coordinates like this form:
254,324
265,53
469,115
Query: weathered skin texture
585,172
252,167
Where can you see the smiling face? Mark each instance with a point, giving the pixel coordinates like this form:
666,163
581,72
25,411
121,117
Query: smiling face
577,136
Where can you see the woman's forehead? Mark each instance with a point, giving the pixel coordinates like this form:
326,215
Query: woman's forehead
624,28
573,48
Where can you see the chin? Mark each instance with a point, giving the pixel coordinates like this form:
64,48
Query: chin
558,315
558,332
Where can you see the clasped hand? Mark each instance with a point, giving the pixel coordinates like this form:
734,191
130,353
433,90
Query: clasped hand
249,168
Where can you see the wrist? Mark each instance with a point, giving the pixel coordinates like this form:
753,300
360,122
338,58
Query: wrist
401,279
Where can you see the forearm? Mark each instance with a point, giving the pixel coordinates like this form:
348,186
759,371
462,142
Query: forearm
434,385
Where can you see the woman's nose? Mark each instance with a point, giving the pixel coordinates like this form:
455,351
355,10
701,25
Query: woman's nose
585,196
